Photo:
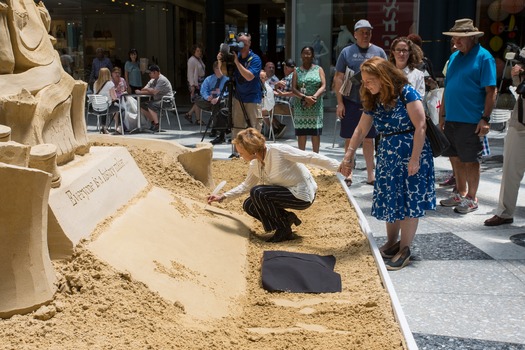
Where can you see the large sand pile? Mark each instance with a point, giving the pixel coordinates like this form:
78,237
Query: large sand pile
99,307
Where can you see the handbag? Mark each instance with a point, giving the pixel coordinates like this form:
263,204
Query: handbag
438,141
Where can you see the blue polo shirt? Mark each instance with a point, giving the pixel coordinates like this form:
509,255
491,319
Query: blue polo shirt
249,91
465,82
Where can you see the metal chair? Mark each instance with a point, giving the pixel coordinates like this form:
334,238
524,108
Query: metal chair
167,104
286,105
271,134
98,106
202,120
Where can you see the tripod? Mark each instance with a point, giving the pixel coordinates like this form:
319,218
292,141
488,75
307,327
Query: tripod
216,110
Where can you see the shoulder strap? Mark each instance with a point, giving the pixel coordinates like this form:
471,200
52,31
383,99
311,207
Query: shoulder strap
101,87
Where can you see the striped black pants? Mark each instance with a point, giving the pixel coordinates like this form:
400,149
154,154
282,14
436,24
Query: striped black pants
268,203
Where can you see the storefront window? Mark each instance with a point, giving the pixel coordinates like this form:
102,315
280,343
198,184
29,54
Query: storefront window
328,28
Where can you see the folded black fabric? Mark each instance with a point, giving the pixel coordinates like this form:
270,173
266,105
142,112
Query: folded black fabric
299,273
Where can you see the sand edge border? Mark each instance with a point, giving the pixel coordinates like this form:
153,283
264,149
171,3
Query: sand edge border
387,282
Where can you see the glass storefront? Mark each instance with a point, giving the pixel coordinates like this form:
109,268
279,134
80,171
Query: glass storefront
164,31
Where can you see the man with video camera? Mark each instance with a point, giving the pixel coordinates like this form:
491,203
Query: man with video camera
246,66
513,159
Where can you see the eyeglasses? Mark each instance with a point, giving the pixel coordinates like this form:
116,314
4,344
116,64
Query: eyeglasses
402,51
244,34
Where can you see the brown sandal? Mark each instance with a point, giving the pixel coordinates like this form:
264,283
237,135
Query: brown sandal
188,118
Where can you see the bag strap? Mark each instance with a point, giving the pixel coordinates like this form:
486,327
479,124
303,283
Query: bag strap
101,87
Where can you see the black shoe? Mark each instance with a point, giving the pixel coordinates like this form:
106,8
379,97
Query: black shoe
390,252
234,155
213,133
155,127
218,140
280,235
293,219
400,260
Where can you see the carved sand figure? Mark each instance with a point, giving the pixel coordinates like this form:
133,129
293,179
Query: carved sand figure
49,109
25,268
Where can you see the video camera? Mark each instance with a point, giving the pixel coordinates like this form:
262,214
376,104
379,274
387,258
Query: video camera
230,47
514,53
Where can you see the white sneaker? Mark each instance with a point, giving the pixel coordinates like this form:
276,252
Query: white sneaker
452,201
466,206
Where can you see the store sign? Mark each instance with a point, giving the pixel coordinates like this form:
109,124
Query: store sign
390,19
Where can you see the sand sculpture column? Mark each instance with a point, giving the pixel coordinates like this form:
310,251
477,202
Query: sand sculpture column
26,274
44,157
5,133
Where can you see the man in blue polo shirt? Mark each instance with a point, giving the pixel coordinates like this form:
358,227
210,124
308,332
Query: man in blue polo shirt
247,85
468,100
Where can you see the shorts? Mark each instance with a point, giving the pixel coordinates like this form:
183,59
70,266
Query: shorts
464,142
353,111
153,105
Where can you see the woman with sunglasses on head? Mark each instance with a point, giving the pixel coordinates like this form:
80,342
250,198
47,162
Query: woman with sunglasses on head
132,72
404,187
406,55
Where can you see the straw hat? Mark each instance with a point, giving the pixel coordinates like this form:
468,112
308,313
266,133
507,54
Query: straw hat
464,27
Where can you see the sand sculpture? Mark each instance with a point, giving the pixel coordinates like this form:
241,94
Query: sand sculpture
41,124
38,99
25,267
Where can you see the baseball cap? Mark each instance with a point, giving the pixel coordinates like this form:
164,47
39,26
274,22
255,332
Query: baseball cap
153,68
289,63
362,23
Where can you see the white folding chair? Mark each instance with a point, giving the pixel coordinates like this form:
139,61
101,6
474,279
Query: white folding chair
98,106
168,104
287,106
271,134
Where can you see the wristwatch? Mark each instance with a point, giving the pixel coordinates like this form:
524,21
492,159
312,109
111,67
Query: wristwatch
486,118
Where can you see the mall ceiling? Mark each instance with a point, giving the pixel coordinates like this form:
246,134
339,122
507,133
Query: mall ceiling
269,8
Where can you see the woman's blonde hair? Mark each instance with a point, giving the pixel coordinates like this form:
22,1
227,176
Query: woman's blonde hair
392,82
251,140
104,75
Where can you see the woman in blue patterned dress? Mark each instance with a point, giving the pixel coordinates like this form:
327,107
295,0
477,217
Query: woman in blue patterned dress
404,186
308,84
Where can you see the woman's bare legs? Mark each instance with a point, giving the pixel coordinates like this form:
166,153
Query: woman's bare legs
301,142
316,143
368,153
407,227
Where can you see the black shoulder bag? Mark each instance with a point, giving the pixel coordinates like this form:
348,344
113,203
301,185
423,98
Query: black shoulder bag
438,141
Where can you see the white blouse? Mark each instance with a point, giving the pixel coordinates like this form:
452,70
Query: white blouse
284,165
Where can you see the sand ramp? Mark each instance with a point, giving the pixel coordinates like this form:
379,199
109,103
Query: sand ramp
177,247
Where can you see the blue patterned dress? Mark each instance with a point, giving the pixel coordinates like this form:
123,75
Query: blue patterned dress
396,195
308,120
